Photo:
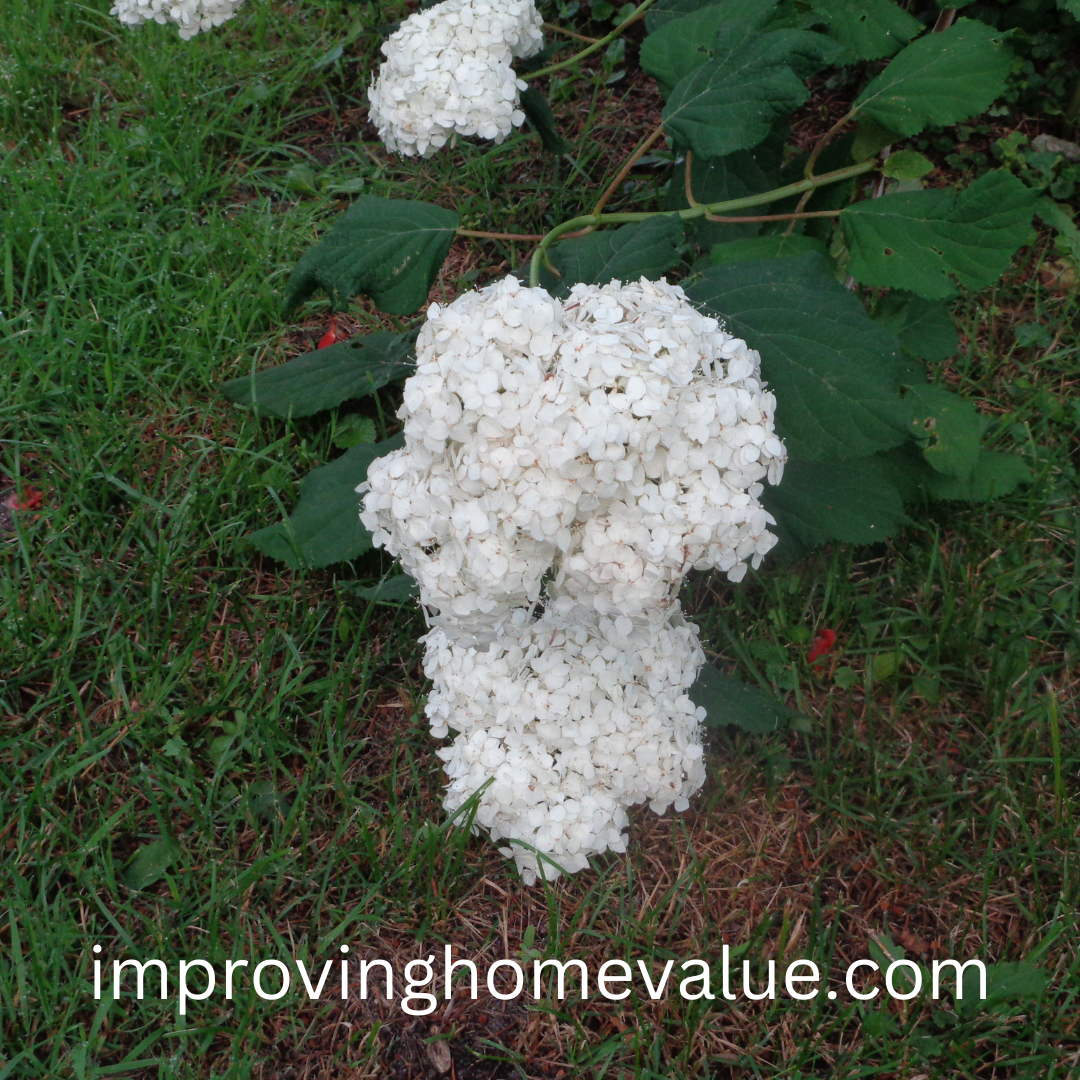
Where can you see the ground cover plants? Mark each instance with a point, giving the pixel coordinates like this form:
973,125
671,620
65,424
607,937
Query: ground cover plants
211,750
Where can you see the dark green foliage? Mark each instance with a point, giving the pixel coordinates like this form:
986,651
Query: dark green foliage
868,29
538,112
835,369
390,249
948,427
851,500
929,242
924,328
772,246
728,700
325,526
727,95
939,79
623,254
325,377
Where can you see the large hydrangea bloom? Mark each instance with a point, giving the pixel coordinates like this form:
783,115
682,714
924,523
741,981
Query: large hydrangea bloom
447,72
191,16
565,465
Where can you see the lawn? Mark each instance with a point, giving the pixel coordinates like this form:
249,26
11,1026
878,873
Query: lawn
204,754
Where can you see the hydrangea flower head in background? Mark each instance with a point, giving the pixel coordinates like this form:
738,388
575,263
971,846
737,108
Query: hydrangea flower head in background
565,465
447,72
191,16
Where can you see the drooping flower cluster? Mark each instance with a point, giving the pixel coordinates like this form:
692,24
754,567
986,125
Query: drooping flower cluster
191,16
565,465
447,72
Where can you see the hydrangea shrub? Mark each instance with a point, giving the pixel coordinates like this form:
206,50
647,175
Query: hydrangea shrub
573,445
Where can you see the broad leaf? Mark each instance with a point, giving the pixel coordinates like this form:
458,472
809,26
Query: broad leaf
995,474
925,328
728,700
395,591
930,241
732,101
772,246
852,501
833,369
870,137
325,527
868,29
939,79
949,428
664,11
906,165
623,254
538,112
325,377
683,45
1058,217
390,249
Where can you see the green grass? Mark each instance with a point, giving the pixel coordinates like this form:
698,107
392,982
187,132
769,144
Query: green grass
203,755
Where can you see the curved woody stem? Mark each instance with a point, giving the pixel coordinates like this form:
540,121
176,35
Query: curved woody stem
596,46
631,161
588,222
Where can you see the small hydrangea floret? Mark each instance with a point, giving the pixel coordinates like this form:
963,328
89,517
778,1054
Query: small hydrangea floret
191,16
565,465
448,72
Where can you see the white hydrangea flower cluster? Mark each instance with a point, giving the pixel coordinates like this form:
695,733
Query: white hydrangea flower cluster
580,457
191,16
448,72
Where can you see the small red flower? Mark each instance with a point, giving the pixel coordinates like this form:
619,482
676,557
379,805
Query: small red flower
824,640
29,499
332,336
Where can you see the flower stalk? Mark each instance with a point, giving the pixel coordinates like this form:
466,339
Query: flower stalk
690,213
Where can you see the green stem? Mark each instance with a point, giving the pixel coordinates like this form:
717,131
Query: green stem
594,221
637,13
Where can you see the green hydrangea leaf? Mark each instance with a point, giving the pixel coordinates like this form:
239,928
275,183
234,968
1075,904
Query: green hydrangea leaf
389,249
538,112
930,242
664,11
833,369
871,137
728,700
771,246
853,501
623,254
949,428
732,100
324,378
868,29
1060,218
925,327
939,79
394,591
995,474
325,526
907,165
681,45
